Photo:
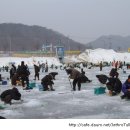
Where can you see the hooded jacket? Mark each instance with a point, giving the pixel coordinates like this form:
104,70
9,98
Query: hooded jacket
125,86
73,73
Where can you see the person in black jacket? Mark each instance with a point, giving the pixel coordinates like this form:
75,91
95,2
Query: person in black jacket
100,66
10,94
23,73
12,70
37,70
48,81
14,79
113,73
0,77
114,86
76,76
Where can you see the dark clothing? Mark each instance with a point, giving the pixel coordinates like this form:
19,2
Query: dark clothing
84,79
10,94
77,76
37,70
102,78
14,79
78,82
23,73
12,71
114,73
53,74
47,80
73,73
114,85
46,67
25,79
0,78
100,65
82,72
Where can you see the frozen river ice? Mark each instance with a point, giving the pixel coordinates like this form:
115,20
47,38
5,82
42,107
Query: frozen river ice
65,104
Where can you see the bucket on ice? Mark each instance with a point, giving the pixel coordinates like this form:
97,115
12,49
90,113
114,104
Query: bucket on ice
99,90
41,87
32,85
4,82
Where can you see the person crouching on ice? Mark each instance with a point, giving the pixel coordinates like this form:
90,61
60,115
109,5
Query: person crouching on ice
76,76
114,86
126,89
11,94
48,81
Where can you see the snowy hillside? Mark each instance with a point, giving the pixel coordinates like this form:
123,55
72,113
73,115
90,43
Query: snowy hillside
94,56
97,55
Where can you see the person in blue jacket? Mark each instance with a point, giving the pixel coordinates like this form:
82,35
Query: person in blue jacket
126,89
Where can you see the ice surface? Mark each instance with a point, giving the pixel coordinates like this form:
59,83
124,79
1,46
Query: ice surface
63,103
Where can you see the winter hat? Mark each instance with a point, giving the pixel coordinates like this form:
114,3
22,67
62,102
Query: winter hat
22,62
68,71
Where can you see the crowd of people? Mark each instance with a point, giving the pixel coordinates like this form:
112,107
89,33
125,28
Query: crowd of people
22,73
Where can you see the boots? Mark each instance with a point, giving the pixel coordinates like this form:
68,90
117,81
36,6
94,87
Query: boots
123,96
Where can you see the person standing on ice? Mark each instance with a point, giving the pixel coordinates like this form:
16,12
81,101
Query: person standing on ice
23,73
1,78
116,64
100,65
12,70
46,67
37,70
43,67
76,76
